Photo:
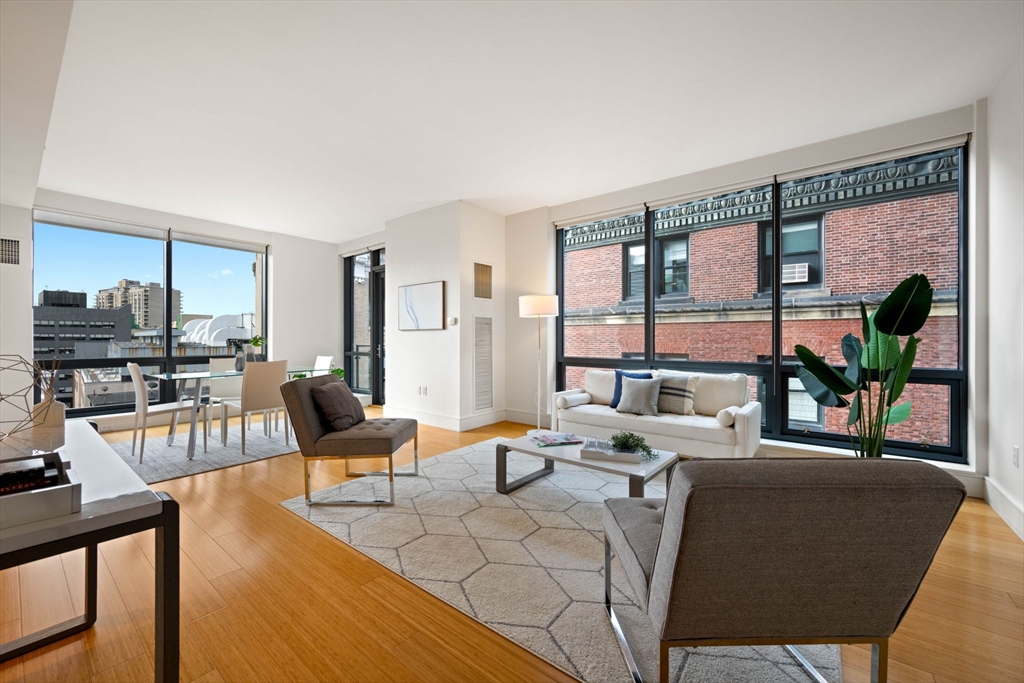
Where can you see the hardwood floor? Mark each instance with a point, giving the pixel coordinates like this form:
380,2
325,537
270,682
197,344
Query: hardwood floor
266,596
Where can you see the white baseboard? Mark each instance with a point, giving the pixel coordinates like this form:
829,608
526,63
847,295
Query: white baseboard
423,417
1004,507
481,420
528,418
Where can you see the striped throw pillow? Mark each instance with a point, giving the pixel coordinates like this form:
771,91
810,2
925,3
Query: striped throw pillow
676,395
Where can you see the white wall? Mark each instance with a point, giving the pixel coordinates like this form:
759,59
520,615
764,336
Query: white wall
443,243
530,255
1005,483
482,240
424,247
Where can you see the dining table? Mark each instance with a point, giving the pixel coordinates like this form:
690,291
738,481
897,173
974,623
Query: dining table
196,378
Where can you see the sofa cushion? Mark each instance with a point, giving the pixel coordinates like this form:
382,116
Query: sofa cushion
727,416
600,384
619,374
571,400
715,392
677,390
639,396
338,404
691,427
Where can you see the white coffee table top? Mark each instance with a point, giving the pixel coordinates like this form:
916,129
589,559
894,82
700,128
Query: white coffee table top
648,469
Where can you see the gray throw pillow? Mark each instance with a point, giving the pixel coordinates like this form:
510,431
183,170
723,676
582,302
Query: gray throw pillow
677,390
339,405
639,396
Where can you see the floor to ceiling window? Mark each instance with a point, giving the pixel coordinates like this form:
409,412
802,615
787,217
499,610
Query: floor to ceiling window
108,293
691,285
364,323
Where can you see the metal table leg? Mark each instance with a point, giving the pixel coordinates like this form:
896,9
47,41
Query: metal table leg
168,579
174,416
196,393
636,486
501,485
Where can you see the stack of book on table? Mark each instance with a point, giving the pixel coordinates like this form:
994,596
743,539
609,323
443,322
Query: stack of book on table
27,474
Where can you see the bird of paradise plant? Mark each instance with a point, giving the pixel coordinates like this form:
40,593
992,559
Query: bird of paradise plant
877,369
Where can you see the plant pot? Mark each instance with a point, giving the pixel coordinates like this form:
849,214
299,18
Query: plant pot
239,361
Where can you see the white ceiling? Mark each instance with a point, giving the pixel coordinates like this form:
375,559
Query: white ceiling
325,119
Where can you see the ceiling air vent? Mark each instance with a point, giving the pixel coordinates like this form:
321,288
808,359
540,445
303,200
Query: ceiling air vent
10,252
794,273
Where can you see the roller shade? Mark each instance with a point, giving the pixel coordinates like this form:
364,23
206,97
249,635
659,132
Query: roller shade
708,193
889,155
237,245
98,224
365,250
590,218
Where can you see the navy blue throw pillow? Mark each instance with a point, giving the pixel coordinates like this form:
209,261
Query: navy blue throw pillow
619,374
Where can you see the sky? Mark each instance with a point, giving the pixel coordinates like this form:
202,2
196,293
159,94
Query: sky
212,280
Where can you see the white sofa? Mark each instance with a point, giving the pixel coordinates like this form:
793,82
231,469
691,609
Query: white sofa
699,435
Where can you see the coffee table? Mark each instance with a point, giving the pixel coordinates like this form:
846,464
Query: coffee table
638,474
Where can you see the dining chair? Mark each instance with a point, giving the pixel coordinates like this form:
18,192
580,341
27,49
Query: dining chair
322,365
261,393
222,388
143,410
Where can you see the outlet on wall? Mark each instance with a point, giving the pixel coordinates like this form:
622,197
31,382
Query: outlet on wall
424,391
1016,456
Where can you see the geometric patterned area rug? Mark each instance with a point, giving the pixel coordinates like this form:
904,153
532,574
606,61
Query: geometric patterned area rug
530,565
161,462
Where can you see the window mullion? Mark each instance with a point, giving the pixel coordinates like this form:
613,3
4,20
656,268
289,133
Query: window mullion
651,265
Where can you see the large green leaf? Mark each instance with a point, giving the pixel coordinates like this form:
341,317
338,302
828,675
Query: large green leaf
906,309
865,324
851,352
879,344
902,371
897,414
825,373
854,411
818,391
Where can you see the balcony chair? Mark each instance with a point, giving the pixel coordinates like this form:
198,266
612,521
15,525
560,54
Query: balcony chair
780,552
260,394
143,410
378,438
322,366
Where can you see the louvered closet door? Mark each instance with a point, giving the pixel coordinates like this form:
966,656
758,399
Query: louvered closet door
483,363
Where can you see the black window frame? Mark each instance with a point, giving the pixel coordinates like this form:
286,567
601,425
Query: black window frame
168,362
627,282
663,269
351,355
772,378
764,285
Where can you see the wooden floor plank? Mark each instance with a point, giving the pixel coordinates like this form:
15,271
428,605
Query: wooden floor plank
267,595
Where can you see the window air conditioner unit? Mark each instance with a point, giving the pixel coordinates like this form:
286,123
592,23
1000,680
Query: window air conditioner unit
794,273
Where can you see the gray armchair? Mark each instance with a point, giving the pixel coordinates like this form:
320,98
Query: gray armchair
380,438
780,552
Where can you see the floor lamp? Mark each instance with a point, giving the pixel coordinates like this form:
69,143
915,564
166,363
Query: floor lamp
538,306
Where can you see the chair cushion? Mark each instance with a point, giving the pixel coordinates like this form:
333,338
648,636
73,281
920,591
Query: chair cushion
383,436
692,427
339,405
633,528
639,396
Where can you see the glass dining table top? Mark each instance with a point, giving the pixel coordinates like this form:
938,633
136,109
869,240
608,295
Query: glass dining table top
220,374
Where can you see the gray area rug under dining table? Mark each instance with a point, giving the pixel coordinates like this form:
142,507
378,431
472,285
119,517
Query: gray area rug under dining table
161,462
530,565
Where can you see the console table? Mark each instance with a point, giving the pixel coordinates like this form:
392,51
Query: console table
115,503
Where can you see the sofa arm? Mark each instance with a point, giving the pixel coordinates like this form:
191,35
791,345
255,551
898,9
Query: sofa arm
748,429
554,405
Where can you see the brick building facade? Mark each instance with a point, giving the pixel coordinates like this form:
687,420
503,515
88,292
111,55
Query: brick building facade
866,244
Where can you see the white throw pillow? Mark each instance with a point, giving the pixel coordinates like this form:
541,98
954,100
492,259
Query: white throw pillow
727,416
715,392
573,400
677,391
600,384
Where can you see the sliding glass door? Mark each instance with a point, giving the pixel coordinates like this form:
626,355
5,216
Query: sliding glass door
364,324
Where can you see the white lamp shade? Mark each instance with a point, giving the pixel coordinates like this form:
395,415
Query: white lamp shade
543,305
